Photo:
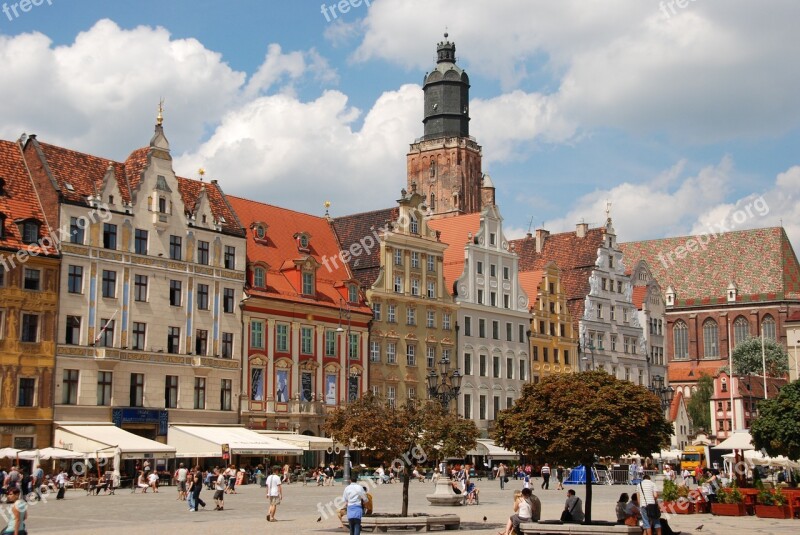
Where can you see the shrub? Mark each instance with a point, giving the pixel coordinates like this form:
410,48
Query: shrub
730,494
670,492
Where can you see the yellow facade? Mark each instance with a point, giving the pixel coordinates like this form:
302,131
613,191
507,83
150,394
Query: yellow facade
554,340
27,352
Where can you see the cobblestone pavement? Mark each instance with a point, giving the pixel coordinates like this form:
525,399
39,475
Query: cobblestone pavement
125,513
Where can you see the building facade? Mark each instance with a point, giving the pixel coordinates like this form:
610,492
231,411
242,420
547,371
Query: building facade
649,302
734,404
29,270
493,317
792,326
149,326
305,318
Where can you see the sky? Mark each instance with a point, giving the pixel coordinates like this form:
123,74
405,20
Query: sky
682,115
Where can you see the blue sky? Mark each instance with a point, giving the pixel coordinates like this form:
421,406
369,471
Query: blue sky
678,117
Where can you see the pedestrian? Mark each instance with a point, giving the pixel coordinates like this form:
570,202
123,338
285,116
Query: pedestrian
501,474
560,477
152,480
189,484
198,487
231,474
355,497
648,500
573,509
687,476
219,490
546,476
180,478
19,513
274,493
526,481
146,466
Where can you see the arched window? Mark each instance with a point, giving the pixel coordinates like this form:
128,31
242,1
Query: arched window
433,168
710,339
433,201
741,330
680,333
768,327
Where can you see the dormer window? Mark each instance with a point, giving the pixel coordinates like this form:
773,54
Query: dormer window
303,239
260,232
29,231
110,199
2,186
259,277
161,184
308,283
352,293
162,205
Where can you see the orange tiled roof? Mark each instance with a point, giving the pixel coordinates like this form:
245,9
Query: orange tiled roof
639,295
454,231
352,229
690,371
279,249
18,201
530,281
675,405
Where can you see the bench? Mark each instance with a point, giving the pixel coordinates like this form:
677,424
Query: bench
557,527
384,523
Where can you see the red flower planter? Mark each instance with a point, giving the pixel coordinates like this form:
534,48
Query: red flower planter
772,511
681,506
728,509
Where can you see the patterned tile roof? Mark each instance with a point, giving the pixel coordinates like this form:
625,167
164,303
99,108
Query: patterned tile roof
18,201
454,231
352,229
280,249
761,262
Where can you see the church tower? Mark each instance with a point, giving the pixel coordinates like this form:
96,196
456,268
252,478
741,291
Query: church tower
445,164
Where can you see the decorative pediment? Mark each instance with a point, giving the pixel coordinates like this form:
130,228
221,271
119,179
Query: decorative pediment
393,378
411,336
283,363
411,378
430,339
309,365
258,360
446,341
110,192
392,334
332,368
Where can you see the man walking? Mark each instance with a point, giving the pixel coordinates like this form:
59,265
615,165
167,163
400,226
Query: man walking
197,487
648,506
274,493
501,474
354,496
219,490
180,479
546,476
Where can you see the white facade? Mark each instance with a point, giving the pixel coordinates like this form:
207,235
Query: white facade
651,318
494,322
611,336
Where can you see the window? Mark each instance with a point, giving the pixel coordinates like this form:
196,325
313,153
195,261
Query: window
467,364
398,257
506,274
69,387
140,287
681,338
523,373
330,343
308,283
225,394
467,406
625,314
482,328
710,338
32,279
73,330
230,257
173,339
104,388
391,393
509,368
306,340
201,342
482,407
467,326
599,311
506,301
202,252
619,287
768,327
431,263
495,330
415,259
612,312
392,314
492,238
354,353
109,236
411,393
430,356
26,392
493,299
480,297
613,342
175,248
482,370
521,333
398,284
227,300
566,356
479,267
76,230
109,283
509,332
139,335
175,293
162,205
496,405
256,334
105,337
137,390
411,354
431,290
75,279
391,353
446,321
259,277
546,354
555,354
200,393
202,296
30,328
413,226
492,270
374,351
741,330
140,241
282,337
536,353
496,367
352,293
415,287
171,392
376,311
411,316
430,320
227,345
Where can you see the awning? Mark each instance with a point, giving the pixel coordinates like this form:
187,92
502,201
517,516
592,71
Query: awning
104,439
207,441
754,458
490,449
306,442
9,453
739,440
51,453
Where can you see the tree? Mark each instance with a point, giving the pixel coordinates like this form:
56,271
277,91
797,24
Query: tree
402,436
698,407
777,428
576,417
747,358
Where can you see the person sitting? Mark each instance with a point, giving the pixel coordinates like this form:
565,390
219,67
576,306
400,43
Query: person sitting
418,476
152,480
472,494
619,510
573,509
523,512
141,483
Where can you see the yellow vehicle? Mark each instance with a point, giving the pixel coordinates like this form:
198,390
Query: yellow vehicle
692,456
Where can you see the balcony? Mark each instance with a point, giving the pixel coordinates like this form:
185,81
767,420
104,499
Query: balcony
149,357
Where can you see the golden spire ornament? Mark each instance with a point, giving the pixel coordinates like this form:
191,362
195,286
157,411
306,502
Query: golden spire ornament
160,117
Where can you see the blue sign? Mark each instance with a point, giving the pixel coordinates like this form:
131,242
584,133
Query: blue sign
132,415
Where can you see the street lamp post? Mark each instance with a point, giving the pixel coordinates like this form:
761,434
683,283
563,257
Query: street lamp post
344,313
445,385
664,393
590,346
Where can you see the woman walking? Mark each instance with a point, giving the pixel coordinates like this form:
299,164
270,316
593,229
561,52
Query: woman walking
19,513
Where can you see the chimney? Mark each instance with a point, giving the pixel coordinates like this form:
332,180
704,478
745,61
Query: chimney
581,229
541,235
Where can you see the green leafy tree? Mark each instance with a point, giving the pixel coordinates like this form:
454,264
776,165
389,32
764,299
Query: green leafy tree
577,417
777,428
747,358
698,407
402,436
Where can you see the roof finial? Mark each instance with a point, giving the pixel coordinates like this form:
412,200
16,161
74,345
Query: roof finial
446,35
608,210
160,117
327,205
202,173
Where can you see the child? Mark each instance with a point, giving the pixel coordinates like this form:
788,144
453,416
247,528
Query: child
526,481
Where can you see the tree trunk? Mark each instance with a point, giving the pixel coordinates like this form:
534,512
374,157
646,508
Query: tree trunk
405,490
588,510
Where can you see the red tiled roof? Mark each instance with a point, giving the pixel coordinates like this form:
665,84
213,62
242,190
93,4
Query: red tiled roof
279,249
675,405
454,231
530,281
756,386
690,371
639,295
352,229
761,262
18,201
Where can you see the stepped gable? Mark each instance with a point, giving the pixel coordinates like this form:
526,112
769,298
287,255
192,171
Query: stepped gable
18,201
455,231
761,262
351,229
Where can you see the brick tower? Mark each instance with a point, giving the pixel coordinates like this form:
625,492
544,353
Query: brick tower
445,164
